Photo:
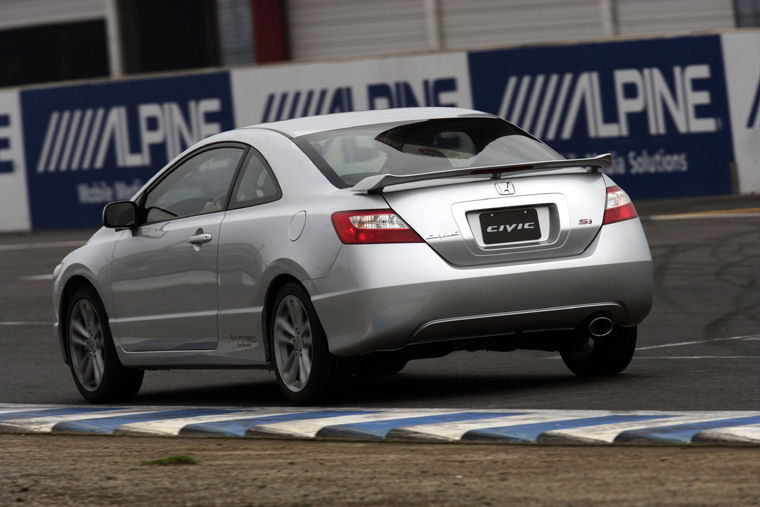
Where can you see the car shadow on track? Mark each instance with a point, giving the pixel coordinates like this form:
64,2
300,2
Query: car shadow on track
431,390
406,390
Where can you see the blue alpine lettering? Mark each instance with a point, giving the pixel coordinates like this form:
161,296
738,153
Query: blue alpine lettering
287,105
643,92
93,143
80,139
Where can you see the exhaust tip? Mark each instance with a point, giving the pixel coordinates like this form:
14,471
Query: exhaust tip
600,326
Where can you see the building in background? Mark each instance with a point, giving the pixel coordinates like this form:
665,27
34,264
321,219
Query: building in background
45,41
56,40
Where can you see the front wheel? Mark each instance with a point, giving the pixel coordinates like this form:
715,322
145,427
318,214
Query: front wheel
608,355
306,371
95,367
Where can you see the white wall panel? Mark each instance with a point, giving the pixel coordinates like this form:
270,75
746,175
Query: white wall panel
669,16
234,23
742,60
338,28
478,23
334,28
279,92
19,13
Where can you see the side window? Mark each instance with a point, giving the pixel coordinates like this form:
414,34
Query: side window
256,183
198,185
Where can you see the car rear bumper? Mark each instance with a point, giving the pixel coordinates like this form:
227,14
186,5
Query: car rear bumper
388,296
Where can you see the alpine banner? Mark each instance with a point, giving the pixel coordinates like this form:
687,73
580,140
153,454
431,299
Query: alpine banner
659,106
90,144
681,116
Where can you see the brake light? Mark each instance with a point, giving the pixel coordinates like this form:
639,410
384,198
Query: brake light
372,226
619,206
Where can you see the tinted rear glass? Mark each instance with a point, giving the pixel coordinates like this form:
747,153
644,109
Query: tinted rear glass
346,156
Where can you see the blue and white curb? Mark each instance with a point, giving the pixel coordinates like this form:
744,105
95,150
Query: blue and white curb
422,425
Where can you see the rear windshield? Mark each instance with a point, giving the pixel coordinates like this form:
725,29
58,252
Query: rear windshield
346,156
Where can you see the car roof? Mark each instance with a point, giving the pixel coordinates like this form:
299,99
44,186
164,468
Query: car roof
312,124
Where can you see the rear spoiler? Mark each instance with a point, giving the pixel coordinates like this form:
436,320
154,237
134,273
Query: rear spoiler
377,182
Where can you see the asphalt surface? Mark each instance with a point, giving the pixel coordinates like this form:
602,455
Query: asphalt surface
699,349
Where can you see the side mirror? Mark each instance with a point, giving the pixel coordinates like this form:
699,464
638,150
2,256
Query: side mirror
120,214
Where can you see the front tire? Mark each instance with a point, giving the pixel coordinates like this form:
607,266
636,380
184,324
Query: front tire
306,371
94,365
608,355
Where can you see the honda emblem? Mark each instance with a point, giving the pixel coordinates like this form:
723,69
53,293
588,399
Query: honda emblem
505,187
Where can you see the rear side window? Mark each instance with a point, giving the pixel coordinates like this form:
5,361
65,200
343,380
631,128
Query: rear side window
255,184
196,186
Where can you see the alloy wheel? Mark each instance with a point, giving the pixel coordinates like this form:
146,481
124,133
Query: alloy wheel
86,344
293,348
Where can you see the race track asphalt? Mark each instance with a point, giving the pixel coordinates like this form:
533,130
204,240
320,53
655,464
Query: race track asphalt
699,349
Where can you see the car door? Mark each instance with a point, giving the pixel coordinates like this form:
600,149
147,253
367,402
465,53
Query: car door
248,244
164,273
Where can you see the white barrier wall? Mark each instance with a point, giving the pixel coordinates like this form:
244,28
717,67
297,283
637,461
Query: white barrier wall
679,112
741,55
292,91
14,203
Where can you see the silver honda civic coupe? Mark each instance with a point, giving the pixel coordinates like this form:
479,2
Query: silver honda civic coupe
351,243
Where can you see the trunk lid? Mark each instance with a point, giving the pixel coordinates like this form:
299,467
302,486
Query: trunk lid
474,222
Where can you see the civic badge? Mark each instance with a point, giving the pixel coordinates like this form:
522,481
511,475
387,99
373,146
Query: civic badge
505,187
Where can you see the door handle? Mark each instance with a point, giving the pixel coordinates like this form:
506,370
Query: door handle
199,239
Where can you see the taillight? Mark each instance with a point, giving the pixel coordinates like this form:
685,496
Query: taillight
372,226
619,206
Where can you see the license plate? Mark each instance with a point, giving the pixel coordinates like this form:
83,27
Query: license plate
509,226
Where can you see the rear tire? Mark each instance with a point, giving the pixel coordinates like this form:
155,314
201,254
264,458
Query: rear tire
306,371
608,355
95,367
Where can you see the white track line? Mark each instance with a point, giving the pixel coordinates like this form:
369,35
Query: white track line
697,342
27,408
752,337
692,217
698,357
24,323
41,244
18,407
35,278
